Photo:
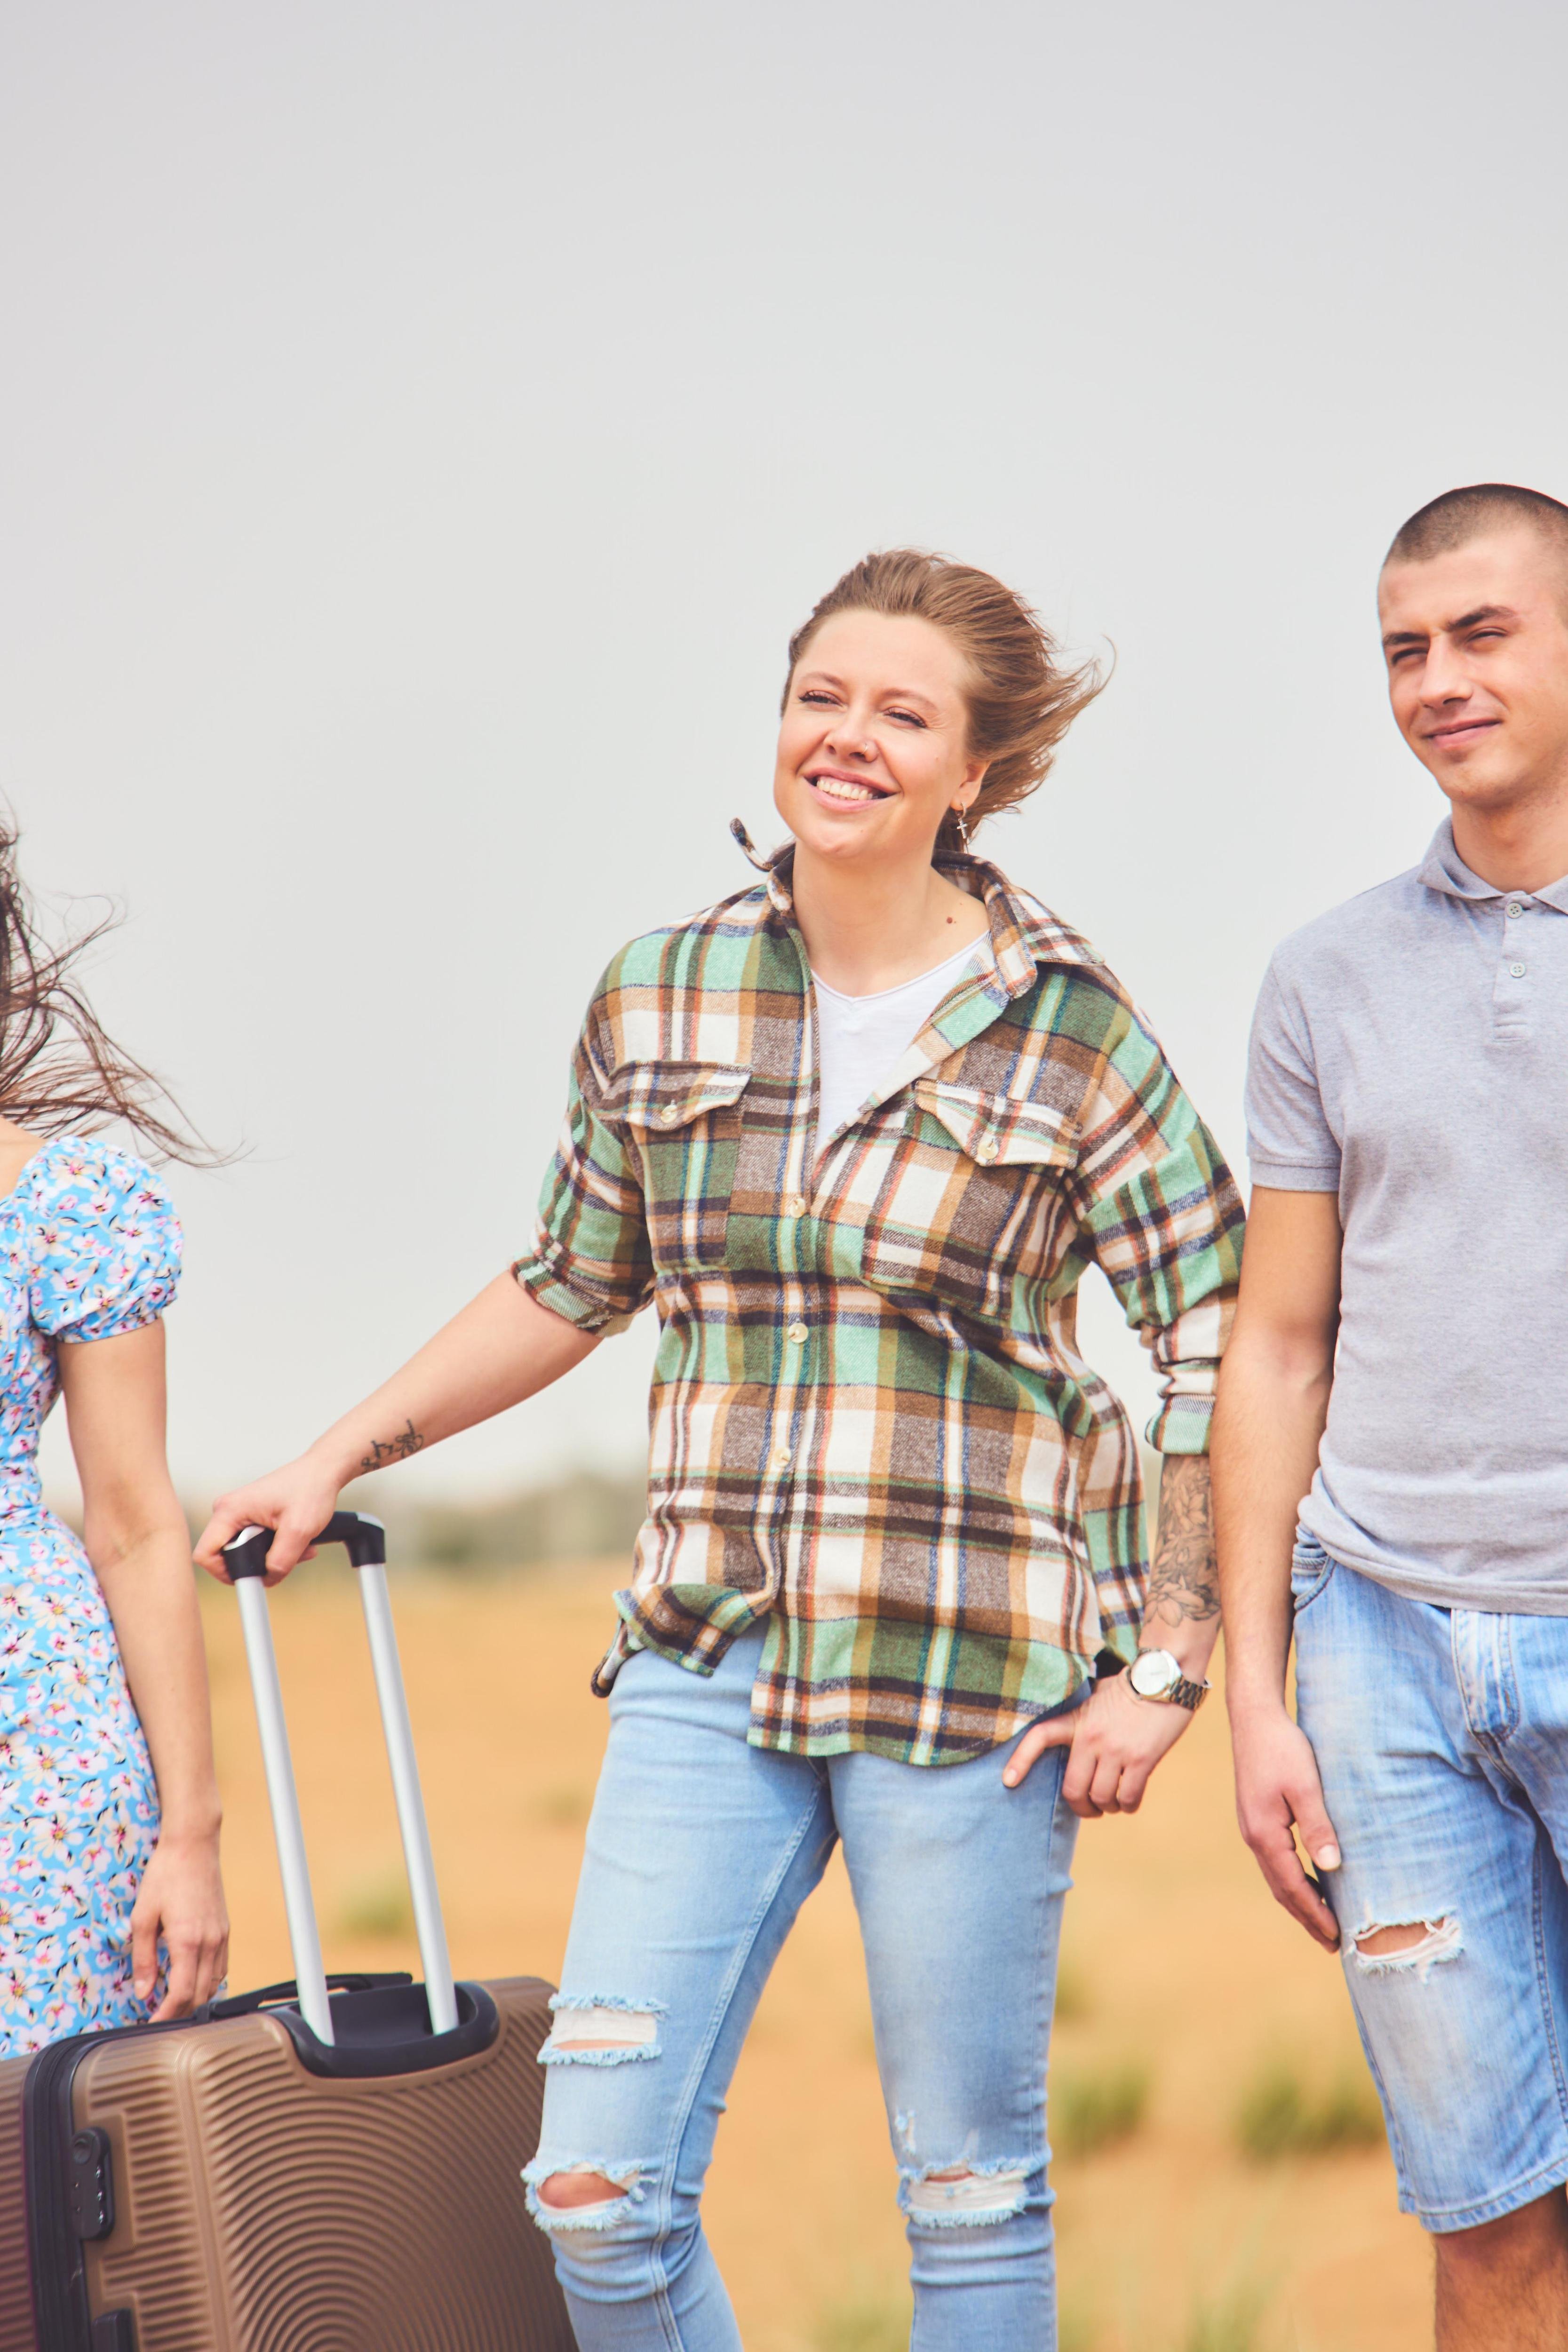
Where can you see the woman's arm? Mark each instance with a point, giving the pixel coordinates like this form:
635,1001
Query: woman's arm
1117,1738
136,1539
503,1346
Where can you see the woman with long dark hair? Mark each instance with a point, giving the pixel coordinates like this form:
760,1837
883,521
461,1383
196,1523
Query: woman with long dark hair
856,1133
112,1906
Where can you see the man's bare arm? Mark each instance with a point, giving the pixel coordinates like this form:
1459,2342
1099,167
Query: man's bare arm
1273,1401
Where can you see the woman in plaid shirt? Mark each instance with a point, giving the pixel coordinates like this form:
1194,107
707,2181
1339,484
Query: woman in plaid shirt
856,1133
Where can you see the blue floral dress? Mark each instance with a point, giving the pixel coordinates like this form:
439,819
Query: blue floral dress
89,1248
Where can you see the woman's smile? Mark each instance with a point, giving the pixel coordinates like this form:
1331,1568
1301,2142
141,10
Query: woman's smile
837,786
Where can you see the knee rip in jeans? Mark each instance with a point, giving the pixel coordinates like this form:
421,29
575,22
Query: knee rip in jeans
584,2193
601,2029
964,2196
1415,1948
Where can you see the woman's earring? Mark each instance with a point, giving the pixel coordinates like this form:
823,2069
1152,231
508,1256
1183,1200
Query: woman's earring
962,831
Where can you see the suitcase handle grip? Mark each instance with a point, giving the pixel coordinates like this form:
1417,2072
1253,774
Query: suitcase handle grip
246,2004
246,1559
365,1538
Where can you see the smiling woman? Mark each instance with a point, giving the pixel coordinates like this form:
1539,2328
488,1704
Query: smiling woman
856,1132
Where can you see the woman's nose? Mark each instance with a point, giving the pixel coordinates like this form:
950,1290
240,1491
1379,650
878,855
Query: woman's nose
852,742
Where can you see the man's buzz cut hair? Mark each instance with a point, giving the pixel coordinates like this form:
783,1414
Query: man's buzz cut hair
1459,516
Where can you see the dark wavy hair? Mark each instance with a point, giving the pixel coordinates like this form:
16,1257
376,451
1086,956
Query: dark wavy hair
60,1072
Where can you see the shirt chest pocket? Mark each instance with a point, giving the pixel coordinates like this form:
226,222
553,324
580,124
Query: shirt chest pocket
683,1122
971,1183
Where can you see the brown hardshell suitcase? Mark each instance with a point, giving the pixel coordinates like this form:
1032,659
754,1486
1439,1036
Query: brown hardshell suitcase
309,2169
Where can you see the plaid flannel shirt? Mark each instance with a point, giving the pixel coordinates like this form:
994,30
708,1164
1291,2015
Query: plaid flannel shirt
871,1423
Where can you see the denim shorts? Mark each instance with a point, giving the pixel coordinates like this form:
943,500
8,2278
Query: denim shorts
1442,1739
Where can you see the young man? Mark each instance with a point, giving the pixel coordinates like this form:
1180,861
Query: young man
1400,1361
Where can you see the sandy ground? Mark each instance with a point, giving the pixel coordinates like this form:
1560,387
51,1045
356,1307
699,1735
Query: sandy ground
1174,1957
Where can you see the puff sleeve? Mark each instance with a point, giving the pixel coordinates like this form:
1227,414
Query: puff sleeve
108,1244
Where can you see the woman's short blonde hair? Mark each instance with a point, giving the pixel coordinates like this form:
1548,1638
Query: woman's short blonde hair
1022,699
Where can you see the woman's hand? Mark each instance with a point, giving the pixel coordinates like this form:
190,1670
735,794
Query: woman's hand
503,1346
180,1905
295,1502
1116,1737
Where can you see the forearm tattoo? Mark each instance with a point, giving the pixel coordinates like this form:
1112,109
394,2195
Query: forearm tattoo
409,1441
1184,1583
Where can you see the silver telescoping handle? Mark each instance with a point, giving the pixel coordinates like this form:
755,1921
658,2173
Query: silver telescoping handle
420,1863
283,1797
245,1557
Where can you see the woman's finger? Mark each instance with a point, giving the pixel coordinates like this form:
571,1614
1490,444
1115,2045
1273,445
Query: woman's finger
1057,1733
210,1967
144,1924
179,1994
1106,1781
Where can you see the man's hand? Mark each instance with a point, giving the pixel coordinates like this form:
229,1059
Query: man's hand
1116,1737
1277,1784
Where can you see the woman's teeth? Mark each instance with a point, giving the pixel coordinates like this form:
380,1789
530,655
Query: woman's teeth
839,788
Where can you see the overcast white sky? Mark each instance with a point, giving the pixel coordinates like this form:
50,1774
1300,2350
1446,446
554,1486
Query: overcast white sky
422,424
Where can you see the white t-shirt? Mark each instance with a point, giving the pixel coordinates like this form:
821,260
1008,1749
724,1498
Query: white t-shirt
859,1038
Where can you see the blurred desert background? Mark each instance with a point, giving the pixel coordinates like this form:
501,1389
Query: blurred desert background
1223,2186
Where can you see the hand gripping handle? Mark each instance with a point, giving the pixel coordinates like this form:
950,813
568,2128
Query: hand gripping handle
245,1559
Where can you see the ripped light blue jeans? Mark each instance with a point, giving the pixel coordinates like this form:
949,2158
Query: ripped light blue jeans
700,1851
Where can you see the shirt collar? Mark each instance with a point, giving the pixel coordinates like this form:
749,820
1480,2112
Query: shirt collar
1444,869
1023,934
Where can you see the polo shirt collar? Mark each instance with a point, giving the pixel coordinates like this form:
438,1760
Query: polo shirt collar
1444,869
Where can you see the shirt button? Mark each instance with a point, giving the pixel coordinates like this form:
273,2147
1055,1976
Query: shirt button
1514,908
988,1150
1516,972
794,1206
799,1334
671,1113
780,1458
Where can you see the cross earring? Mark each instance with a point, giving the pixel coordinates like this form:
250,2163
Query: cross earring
962,831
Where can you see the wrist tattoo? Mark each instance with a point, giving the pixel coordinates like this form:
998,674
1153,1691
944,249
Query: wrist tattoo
393,1449
1184,1585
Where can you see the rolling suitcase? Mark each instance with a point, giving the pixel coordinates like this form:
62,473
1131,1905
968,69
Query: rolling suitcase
318,2167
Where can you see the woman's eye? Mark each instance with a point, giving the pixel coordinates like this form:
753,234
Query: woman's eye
814,694
910,718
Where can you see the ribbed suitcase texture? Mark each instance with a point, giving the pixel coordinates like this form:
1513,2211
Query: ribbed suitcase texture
259,2207
327,2174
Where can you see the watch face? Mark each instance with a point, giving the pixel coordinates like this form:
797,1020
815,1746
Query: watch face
1154,1673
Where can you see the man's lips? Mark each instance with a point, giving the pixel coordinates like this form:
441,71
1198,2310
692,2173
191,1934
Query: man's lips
1462,732
841,790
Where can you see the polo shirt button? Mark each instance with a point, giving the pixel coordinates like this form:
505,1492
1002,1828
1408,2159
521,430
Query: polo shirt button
794,1206
799,1334
781,1458
1514,908
1516,972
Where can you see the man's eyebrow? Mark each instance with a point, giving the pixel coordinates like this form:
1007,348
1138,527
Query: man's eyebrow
1484,613
1466,621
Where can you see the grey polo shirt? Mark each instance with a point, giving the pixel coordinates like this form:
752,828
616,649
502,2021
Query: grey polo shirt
1410,1053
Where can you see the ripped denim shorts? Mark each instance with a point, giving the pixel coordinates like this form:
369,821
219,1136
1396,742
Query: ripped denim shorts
1442,1739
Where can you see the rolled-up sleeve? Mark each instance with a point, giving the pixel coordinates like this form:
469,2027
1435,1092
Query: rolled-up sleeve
1163,1219
591,1262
